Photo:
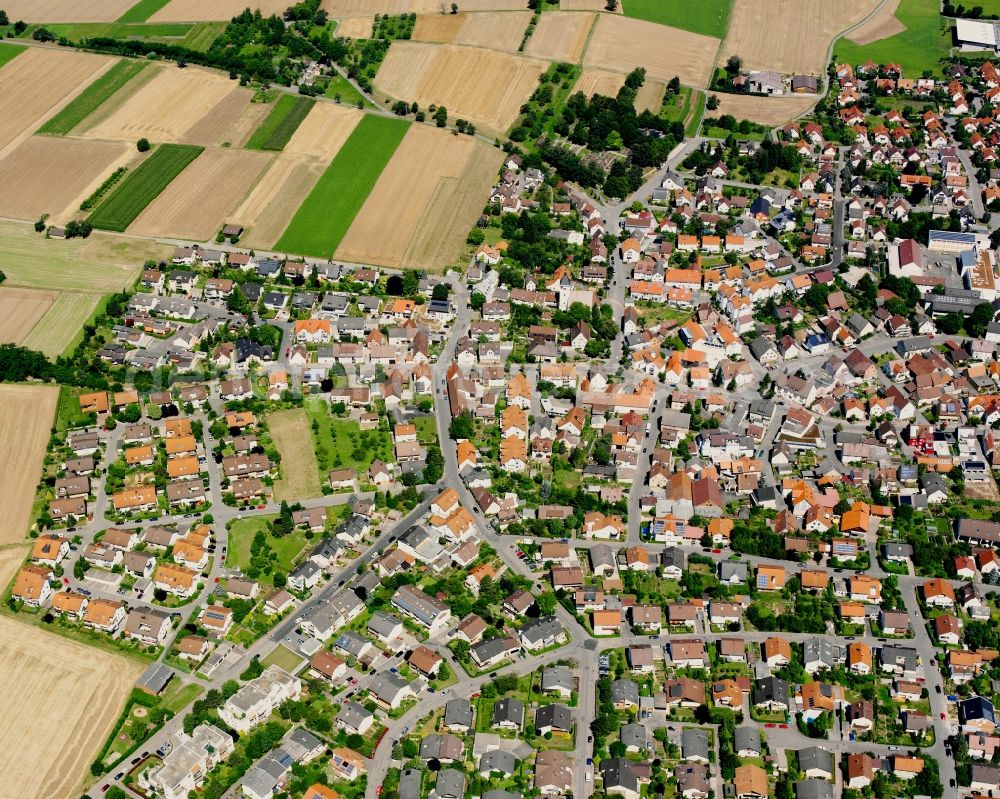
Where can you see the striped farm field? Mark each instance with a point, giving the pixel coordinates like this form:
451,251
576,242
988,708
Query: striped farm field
281,123
142,10
91,98
118,210
324,218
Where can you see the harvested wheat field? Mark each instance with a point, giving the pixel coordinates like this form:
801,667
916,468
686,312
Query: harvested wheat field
66,10
345,9
485,87
323,131
167,108
560,36
355,28
497,30
54,175
60,700
650,96
789,35
622,44
37,84
26,416
429,165
587,5
195,204
269,208
214,128
20,311
299,470
202,11
599,81
771,111
242,128
883,24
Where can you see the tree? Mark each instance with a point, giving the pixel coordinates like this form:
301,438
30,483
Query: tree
462,426
454,8
4,19
142,145
43,35
411,282
950,323
712,103
611,5
734,64
441,291
477,301
476,237
441,116
977,322
546,602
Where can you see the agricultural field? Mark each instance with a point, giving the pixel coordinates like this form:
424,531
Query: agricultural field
771,111
621,44
143,185
66,10
497,30
300,476
26,416
324,131
923,42
195,204
60,700
355,28
99,264
281,123
432,197
321,222
28,101
560,36
142,10
91,98
20,311
708,17
485,87
10,51
54,175
62,324
789,35
650,96
170,106
200,11
346,9
338,88
599,81
269,207
880,25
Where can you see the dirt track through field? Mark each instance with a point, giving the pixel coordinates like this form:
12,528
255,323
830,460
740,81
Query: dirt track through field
883,24
622,44
202,11
771,111
26,416
195,205
168,108
560,36
37,84
324,131
299,471
485,87
66,10
405,190
20,311
54,175
789,36
269,208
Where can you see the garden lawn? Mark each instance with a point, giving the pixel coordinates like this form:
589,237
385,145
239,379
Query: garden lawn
91,98
241,534
9,51
339,86
926,40
708,17
284,658
142,10
143,185
334,440
281,123
322,221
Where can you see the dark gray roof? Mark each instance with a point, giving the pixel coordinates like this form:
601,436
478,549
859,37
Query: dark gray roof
694,743
509,710
458,712
813,789
747,738
498,760
554,715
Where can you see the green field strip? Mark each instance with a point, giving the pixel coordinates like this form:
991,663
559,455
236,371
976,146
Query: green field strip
707,17
9,51
324,218
142,10
281,123
91,98
120,208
